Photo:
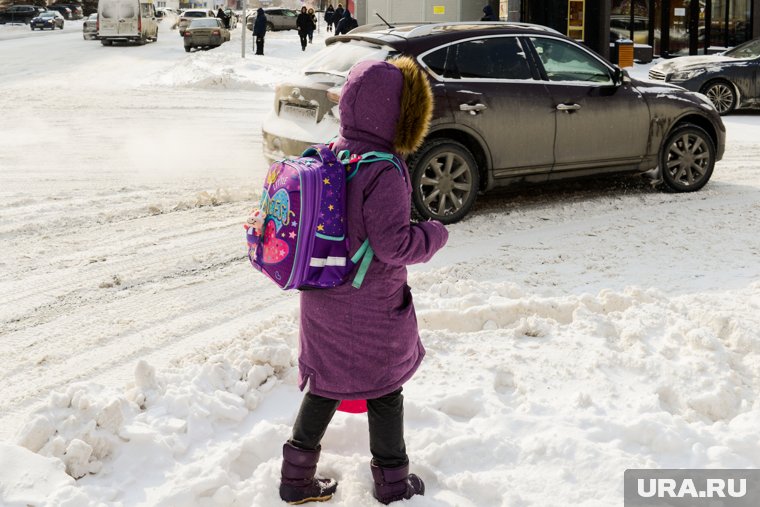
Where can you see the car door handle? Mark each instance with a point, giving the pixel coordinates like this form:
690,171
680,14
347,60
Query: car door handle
473,108
568,107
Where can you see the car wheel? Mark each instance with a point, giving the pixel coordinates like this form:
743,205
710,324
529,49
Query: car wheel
723,96
687,159
270,27
187,49
106,42
61,26
445,181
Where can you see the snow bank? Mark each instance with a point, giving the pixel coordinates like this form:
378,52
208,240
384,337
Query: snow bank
521,400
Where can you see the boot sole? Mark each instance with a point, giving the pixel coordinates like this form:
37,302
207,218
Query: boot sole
312,499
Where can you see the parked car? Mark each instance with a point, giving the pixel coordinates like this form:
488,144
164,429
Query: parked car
170,15
205,33
191,14
90,27
76,9
514,103
277,19
62,9
48,19
126,21
731,80
20,14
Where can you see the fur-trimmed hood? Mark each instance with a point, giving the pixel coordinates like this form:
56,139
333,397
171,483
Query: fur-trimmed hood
386,103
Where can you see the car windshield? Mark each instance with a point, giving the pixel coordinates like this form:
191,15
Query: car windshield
339,57
93,17
204,23
47,15
195,14
749,49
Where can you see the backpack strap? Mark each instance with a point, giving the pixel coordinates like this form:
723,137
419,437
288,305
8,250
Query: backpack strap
368,158
365,253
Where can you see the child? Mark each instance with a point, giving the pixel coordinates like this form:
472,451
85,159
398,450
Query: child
364,343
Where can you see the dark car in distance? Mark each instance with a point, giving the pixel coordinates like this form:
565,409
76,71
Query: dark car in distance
77,12
20,14
514,103
731,80
48,19
62,10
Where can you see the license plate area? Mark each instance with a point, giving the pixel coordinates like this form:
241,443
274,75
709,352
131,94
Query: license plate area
298,113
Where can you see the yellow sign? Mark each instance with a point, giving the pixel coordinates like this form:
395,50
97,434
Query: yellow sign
439,9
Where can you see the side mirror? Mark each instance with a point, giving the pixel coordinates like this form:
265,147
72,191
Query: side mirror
620,77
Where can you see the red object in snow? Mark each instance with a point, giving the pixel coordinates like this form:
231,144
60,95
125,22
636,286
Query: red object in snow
353,406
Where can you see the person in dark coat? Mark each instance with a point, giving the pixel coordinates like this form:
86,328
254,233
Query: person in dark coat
305,25
329,17
260,30
223,17
364,344
488,14
338,14
346,23
314,23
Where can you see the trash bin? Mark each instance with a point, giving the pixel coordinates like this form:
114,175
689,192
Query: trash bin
624,52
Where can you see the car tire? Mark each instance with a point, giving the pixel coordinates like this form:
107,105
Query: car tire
443,167
61,26
722,94
106,42
187,49
687,158
270,27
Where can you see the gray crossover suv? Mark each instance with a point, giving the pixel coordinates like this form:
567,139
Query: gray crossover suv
514,103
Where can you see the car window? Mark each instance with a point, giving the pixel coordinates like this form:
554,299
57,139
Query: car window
749,49
204,23
291,14
110,10
195,14
491,58
565,62
145,10
436,61
339,57
127,10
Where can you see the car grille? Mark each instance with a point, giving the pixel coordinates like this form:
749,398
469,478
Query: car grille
656,75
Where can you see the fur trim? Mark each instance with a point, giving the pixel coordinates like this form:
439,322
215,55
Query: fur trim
416,107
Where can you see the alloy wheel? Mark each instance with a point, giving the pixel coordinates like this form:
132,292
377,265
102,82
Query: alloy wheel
722,97
688,160
446,184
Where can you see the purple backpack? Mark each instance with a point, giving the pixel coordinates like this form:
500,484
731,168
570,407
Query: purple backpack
303,242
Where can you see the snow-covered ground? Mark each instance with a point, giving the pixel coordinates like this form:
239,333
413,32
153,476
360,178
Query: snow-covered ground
572,331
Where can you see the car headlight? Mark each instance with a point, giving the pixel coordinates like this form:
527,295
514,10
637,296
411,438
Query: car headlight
685,75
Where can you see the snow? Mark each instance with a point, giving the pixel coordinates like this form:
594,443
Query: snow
572,330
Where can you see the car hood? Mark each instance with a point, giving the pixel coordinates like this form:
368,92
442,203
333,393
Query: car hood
692,62
658,90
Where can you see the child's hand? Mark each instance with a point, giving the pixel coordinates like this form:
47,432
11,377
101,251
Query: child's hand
255,220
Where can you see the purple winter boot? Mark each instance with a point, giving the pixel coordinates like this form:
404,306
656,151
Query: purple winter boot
393,484
298,485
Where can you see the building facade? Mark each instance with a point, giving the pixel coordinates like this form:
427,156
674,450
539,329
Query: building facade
670,27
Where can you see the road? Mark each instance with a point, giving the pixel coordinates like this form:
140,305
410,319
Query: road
119,199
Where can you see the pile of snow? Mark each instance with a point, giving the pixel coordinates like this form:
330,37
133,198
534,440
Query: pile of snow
222,67
520,400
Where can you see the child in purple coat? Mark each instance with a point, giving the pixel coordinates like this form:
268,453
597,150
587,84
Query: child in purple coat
364,343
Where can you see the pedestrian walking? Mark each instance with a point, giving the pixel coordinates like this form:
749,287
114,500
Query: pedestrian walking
314,25
488,14
260,30
225,19
377,320
329,17
305,24
346,23
338,14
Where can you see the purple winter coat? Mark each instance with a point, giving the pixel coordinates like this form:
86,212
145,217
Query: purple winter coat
364,343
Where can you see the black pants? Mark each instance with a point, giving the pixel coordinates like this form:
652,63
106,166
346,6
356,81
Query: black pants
259,45
303,36
386,426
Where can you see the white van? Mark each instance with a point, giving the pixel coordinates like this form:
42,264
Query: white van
127,20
